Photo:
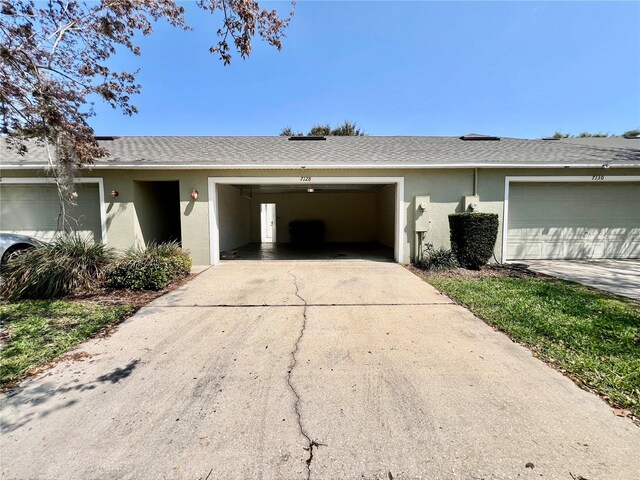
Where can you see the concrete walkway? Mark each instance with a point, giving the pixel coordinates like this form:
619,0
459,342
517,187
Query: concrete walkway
295,370
621,277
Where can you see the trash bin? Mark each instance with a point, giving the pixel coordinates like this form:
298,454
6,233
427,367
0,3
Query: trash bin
306,232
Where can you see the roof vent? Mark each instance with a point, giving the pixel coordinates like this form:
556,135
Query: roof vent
306,137
546,139
476,136
104,138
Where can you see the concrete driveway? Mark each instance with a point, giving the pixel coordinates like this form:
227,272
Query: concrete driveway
621,277
294,370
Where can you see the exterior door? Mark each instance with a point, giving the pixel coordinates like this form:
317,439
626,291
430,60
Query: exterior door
268,222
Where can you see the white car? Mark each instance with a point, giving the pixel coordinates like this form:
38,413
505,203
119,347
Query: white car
11,243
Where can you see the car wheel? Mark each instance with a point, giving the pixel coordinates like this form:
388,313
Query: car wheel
14,251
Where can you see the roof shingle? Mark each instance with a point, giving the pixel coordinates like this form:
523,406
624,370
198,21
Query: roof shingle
186,152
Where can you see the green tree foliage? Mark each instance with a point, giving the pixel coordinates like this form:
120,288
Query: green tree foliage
320,130
289,132
346,129
592,135
628,134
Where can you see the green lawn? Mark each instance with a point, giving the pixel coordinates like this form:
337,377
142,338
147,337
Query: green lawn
593,336
36,331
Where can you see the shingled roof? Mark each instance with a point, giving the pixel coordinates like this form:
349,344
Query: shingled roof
344,152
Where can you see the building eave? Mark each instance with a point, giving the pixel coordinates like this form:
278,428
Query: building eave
129,166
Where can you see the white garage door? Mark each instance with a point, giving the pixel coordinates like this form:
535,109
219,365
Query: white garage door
33,210
574,220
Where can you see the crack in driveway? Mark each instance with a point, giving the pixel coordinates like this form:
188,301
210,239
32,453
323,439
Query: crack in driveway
311,444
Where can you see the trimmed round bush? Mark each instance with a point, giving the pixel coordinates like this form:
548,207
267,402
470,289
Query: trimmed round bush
152,268
67,264
473,237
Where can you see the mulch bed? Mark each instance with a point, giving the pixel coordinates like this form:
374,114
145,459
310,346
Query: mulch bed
514,270
135,298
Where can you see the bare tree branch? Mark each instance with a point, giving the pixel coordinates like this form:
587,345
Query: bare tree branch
54,59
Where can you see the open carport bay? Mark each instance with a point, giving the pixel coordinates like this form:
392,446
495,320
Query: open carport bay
306,221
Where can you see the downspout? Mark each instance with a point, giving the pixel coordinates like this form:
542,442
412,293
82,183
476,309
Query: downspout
475,182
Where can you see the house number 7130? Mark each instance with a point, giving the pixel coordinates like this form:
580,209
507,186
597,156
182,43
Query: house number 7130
305,179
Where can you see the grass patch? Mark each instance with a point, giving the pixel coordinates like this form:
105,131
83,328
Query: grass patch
591,335
36,331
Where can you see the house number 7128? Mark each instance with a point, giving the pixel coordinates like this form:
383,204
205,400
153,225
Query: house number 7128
597,177
305,179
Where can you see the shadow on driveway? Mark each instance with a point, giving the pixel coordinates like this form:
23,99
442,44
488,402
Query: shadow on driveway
40,394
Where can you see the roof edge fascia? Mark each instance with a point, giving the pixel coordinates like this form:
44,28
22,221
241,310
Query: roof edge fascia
128,166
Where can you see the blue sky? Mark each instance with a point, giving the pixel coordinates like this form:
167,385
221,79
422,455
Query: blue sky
518,69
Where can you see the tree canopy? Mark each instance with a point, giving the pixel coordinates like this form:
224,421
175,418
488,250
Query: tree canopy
346,129
627,134
55,61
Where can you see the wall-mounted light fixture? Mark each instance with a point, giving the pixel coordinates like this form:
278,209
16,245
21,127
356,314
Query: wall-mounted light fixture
605,166
311,190
194,194
115,193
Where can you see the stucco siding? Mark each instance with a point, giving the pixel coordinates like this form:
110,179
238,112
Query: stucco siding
347,217
446,188
386,215
234,213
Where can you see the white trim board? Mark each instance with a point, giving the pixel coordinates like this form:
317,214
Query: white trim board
98,180
355,166
551,179
214,230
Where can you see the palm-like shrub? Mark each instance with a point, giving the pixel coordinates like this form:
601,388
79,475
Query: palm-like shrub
437,259
69,263
150,268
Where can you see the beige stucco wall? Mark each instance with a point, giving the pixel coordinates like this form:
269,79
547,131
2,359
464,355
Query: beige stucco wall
233,218
386,215
446,188
348,217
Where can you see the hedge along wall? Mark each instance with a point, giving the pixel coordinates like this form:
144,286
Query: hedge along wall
473,237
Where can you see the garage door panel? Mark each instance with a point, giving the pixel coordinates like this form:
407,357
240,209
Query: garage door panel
528,233
574,221
34,210
553,250
619,234
623,250
525,250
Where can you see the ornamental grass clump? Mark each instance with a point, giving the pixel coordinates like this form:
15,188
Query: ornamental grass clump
69,263
437,259
150,268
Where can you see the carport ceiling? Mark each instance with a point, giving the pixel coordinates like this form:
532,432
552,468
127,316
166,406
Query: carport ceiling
318,188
